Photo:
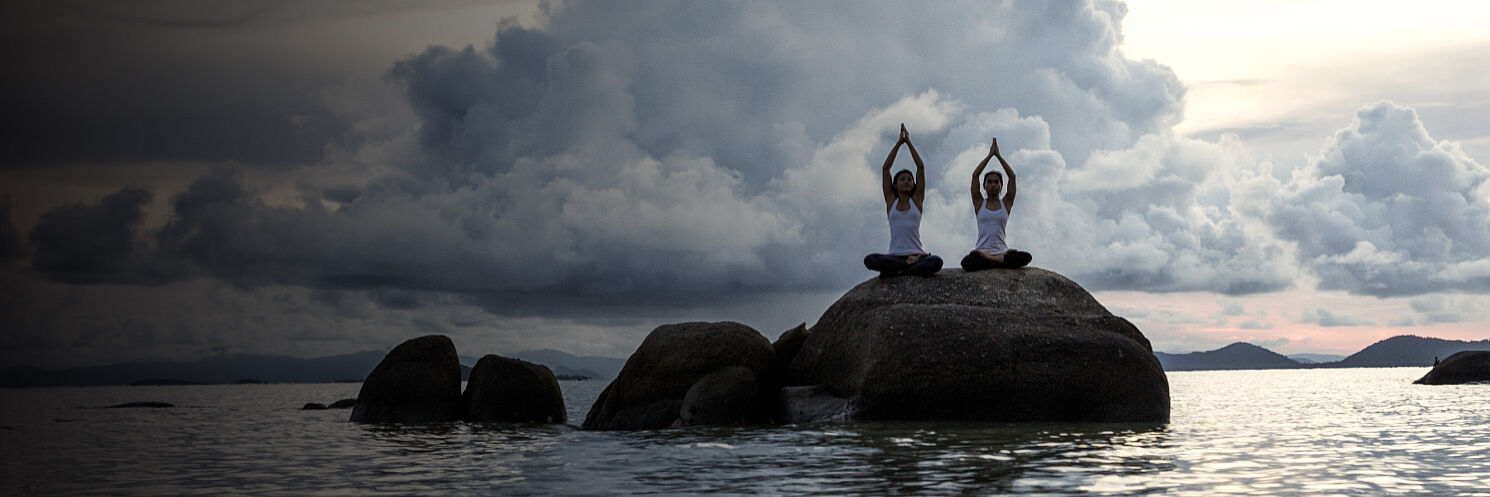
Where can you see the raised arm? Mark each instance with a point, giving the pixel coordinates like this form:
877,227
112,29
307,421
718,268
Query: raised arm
1013,186
977,189
920,192
885,183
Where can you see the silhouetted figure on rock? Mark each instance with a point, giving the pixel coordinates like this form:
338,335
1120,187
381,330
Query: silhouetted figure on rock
903,207
993,214
1463,367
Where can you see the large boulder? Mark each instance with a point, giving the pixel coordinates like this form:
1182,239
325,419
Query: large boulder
690,373
513,391
995,345
417,382
1469,366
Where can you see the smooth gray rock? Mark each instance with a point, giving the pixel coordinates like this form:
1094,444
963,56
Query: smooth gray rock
313,406
649,391
417,382
996,345
513,391
1469,366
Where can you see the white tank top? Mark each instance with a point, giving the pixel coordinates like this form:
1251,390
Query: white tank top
905,230
991,228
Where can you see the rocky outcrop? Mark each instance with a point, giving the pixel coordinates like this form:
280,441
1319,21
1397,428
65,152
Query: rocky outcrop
787,346
1470,366
996,345
513,391
690,373
417,382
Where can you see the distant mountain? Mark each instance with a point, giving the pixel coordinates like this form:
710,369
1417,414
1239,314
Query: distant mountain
1398,351
1407,350
565,363
232,369
1238,355
1316,358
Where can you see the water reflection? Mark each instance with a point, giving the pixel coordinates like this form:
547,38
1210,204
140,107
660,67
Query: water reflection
1354,432
972,458
903,458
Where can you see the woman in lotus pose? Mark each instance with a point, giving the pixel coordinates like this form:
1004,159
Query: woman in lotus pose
903,198
993,214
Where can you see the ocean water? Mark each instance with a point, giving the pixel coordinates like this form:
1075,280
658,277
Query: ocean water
1289,432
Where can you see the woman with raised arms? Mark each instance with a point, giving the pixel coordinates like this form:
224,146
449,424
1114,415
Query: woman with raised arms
903,196
993,214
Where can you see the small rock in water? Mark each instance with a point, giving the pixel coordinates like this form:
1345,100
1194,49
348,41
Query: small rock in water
509,390
140,404
313,406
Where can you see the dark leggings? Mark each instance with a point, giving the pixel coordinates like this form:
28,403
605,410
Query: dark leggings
1012,259
891,265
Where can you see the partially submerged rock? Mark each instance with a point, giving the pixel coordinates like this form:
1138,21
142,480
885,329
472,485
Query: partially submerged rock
690,373
1469,366
997,345
417,382
513,391
147,404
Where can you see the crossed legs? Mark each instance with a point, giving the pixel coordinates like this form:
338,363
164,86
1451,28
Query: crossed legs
978,261
896,265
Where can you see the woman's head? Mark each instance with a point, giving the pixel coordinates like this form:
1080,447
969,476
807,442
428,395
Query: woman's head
993,182
905,182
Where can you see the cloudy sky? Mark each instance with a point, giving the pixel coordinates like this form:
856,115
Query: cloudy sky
184,179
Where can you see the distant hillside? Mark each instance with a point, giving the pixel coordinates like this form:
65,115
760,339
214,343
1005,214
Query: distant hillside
1316,358
1407,350
560,362
1235,356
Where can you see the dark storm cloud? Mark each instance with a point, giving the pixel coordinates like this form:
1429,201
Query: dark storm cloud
96,243
755,85
148,81
683,153
480,109
219,224
11,245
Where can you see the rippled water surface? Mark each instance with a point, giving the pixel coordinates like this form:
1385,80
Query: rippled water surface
1292,432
